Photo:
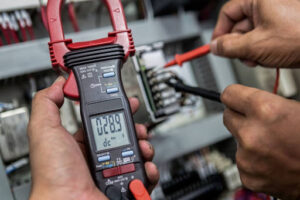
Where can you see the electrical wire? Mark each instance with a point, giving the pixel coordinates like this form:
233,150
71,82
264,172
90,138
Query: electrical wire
6,35
14,35
31,32
25,15
22,25
14,26
4,29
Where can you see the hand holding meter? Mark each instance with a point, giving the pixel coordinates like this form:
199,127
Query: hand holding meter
94,67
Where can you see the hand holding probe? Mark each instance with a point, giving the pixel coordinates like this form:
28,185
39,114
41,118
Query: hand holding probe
196,53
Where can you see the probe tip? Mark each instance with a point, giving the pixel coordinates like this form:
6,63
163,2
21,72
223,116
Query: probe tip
171,63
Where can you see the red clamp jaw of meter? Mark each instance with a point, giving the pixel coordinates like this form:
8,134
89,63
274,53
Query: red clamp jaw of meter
59,46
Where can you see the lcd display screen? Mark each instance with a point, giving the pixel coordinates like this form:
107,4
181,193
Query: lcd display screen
110,131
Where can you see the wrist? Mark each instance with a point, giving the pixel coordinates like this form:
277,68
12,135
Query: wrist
66,193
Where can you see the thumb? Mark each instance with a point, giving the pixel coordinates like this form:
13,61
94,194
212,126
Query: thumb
46,104
234,45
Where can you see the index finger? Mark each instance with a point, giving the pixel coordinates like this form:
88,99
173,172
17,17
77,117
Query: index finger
237,98
231,13
134,104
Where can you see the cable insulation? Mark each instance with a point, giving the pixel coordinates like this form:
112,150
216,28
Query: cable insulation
208,94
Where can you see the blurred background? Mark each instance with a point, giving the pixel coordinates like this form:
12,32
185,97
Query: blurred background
194,152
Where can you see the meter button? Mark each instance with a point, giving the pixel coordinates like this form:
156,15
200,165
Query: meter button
103,158
127,153
109,166
127,169
116,171
111,172
109,75
112,90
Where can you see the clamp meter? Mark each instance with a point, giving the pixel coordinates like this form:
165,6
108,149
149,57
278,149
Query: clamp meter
95,78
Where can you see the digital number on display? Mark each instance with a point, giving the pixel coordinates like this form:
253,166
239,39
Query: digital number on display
110,131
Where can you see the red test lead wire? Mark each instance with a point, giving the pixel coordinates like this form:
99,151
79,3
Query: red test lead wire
180,59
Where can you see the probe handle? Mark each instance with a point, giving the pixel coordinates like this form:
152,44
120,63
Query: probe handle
181,58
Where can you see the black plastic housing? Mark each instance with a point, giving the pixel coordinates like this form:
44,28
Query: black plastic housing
88,66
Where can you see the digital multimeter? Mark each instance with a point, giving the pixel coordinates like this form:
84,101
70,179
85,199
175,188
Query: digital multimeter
94,69
115,159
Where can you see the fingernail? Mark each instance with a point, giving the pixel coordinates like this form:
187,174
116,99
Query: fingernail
134,98
250,63
213,47
150,145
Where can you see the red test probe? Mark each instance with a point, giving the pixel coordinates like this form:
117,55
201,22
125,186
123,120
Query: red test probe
181,58
196,53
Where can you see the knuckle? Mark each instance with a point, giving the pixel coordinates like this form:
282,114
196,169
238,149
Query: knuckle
247,140
245,180
264,108
241,162
226,7
226,95
262,168
38,96
221,46
250,184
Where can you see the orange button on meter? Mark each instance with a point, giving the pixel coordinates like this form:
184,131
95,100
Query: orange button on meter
138,190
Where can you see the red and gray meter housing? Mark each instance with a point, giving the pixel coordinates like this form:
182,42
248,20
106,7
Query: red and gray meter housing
95,79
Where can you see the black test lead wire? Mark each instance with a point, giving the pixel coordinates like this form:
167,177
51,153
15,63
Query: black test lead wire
207,94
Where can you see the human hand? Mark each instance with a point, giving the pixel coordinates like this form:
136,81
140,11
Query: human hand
266,128
59,168
263,32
